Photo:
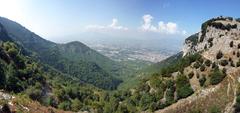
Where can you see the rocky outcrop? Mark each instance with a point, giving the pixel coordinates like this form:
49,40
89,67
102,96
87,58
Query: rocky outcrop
219,43
216,35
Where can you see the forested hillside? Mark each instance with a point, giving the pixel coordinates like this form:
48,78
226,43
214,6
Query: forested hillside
74,59
70,77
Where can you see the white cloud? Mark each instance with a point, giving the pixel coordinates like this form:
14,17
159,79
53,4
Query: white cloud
168,28
147,22
164,28
113,26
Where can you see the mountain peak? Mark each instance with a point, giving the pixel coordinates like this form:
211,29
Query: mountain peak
216,34
75,43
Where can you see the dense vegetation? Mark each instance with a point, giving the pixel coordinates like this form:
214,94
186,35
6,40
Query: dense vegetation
219,25
79,68
181,64
21,74
216,76
155,68
212,22
17,72
75,59
61,76
27,77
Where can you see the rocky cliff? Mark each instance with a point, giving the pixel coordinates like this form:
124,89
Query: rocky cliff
215,77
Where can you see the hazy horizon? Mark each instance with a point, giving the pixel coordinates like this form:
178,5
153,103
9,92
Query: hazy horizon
59,21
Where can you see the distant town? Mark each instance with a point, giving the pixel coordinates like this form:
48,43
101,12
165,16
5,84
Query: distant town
118,53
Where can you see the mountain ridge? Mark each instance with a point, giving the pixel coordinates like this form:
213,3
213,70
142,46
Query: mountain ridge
54,55
203,78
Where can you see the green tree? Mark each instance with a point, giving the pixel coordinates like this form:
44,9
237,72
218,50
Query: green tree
34,92
76,105
145,101
215,109
216,76
2,77
183,87
65,105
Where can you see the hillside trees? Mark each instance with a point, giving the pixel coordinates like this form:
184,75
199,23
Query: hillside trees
216,76
183,87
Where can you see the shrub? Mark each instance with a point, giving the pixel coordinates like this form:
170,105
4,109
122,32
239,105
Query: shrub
238,54
224,62
237,104
238,46
238,63
76,105
201,60
145,101
170,96
219,25
224,70
231,44
216,76
201,38
2,77
234,52
202,68
65,105
195,111
183,87
219,55
210,40
214,65
232,64
193,39
211,44
196,65
205,47
190,75
197,75
215,109
5,109
34,92
202,80
208,63
165,72
50,101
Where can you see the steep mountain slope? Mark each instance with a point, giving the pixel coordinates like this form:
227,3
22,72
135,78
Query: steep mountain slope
155,68
80,61
204,80
77,50
24,85
217,43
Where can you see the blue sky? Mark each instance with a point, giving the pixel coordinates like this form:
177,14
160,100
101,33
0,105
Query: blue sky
58,18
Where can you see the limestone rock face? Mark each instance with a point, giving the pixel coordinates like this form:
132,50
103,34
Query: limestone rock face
212,39
218,43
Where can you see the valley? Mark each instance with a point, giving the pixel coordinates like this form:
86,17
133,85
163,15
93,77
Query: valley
74,77
133,54
105,56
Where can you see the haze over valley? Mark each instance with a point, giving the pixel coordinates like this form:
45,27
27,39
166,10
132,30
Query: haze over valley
108,56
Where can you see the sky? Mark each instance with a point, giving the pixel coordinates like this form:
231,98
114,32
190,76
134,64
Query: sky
57,19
